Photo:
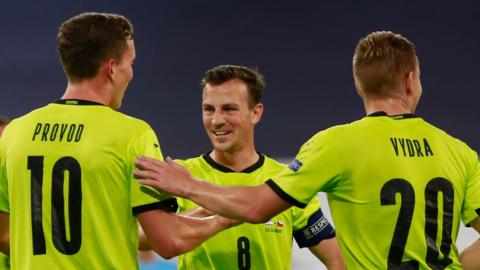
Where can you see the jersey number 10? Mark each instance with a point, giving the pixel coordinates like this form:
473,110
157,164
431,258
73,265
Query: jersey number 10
59,228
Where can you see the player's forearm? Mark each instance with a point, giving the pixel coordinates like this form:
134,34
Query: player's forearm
191,232
469,257
232,202
170,235
328,252
255,204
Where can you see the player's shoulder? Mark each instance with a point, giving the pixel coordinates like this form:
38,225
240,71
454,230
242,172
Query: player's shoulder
333,133
272,164
24,119
128,120
193,162
451,141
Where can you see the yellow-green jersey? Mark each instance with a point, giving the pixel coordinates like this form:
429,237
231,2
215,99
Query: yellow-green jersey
398,188
4,262
66,181
247,246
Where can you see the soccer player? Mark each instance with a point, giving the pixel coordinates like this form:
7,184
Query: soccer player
398,186
66,179
231,108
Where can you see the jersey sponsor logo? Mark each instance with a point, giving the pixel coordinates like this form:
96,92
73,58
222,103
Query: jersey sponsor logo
316,228
411,148
155,145
274,226
50,132
295,165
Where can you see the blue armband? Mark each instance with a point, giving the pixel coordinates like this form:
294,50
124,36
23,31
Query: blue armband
317,229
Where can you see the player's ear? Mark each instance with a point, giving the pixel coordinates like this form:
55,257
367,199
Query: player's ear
357,87
110,68
257,113
409,83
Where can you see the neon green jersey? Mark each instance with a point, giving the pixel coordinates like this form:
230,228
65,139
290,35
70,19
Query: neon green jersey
265,246
66,181
397,186
4,262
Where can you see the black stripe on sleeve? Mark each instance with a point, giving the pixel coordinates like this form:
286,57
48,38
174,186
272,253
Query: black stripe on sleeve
282,194
169,205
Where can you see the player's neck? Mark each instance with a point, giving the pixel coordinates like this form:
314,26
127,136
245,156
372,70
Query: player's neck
236,160
92,90
391,106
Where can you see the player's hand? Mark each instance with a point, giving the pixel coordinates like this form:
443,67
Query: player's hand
168,176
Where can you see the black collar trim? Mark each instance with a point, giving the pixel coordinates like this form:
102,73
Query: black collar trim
77,102
396,117
222,168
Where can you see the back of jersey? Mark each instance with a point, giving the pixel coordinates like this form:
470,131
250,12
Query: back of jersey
397,188
66,181
403,193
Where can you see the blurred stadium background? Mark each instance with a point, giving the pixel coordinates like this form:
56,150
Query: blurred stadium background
304,49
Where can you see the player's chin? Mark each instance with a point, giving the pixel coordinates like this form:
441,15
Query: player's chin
222,146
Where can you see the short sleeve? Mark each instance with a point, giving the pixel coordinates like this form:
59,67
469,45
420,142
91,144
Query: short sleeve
300,216
143,198
317,167
471,204
310,226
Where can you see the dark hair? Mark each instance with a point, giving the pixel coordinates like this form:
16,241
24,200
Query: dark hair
381,61
88,39
252,78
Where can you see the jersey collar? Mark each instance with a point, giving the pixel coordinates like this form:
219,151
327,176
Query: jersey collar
222,168
396,117
77,102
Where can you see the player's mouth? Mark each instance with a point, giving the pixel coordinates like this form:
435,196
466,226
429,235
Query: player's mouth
221,133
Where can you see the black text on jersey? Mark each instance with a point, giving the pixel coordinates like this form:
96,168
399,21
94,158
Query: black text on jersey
49,132
411,147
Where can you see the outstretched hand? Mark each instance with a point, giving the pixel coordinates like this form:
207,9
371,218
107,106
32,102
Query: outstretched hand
167,176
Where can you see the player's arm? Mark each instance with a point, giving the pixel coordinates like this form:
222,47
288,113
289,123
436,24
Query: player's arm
329,253
320,237
255,204
4,233
470,256
197,212
170,234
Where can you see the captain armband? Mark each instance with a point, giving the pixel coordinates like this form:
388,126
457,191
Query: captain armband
317,229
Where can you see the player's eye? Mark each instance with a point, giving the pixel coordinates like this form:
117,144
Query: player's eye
208,109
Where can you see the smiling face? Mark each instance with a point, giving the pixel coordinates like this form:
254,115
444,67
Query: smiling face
227,117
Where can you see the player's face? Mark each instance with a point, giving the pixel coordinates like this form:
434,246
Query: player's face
123,74
227,117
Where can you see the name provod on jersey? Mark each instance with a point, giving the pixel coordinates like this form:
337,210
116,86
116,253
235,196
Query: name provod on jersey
411,147
50,132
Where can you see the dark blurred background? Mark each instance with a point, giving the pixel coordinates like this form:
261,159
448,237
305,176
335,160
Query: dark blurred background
304,49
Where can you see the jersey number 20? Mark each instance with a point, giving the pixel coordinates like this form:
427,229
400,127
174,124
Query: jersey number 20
404,221
59,229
